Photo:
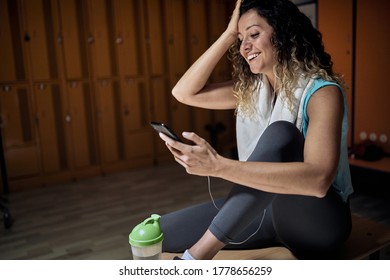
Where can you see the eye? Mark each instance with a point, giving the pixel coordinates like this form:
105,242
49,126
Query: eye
255,35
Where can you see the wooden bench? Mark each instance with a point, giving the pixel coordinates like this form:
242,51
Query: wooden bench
367,239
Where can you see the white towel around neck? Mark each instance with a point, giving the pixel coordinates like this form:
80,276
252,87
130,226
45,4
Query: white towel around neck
249,129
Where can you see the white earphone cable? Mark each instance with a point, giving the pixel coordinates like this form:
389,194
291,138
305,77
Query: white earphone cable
260,224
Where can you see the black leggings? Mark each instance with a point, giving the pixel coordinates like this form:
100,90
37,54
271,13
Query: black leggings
310,227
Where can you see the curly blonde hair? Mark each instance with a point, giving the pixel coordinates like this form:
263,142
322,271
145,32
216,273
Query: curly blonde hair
299,50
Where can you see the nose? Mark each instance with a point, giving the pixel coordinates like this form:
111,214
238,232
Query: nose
245,46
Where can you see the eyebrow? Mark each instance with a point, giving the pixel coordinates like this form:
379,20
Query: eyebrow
250,26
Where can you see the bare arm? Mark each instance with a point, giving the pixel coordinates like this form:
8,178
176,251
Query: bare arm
312,177
192,88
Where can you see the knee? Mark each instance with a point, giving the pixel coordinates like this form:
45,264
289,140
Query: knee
283,130
283,142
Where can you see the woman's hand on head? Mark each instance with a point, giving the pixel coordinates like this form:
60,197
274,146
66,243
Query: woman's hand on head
233,24
198,159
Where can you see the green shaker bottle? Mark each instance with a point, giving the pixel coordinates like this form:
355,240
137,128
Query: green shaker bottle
146,239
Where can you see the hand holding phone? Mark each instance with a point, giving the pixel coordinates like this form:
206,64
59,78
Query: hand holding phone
163,128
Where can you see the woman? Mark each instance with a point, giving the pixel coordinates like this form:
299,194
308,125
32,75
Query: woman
292,178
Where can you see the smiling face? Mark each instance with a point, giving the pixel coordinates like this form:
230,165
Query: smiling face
255,35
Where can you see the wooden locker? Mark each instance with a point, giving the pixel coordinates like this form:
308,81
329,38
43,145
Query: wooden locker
87,34
198,42
80,110
41,39
372,98
157,64
157,68
12,66
75,39
42,46
177,44
219,14
338,41
161,112
109,121
94,73
155,39
138,135
129,38
102,38
40,99
222,124
80,121
178,61
18,130
50,122
135,94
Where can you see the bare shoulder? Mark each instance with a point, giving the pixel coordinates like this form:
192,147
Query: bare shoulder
325,112
326,99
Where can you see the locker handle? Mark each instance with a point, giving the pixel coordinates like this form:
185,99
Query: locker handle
90,39
60,40
73,84
41,86
119,40
104,83
129,81
7,88
194,40
68,118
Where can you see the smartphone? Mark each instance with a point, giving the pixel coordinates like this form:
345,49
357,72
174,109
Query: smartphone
163,128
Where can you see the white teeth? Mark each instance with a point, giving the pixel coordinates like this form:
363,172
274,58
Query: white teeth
252,56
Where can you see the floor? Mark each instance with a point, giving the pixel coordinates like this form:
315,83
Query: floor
91,219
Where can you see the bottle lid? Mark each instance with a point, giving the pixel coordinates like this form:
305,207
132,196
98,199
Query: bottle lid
147,233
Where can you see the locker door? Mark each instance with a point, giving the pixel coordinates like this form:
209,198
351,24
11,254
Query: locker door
19,137
74,23
106,87
102,42
40,39
198,43
138,133
338,37
177,57
12,66
219,15
81,124
109,121
50,122
372,98
129,34
135,96
80,112
157,65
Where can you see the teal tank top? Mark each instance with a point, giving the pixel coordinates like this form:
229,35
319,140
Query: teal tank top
342,182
